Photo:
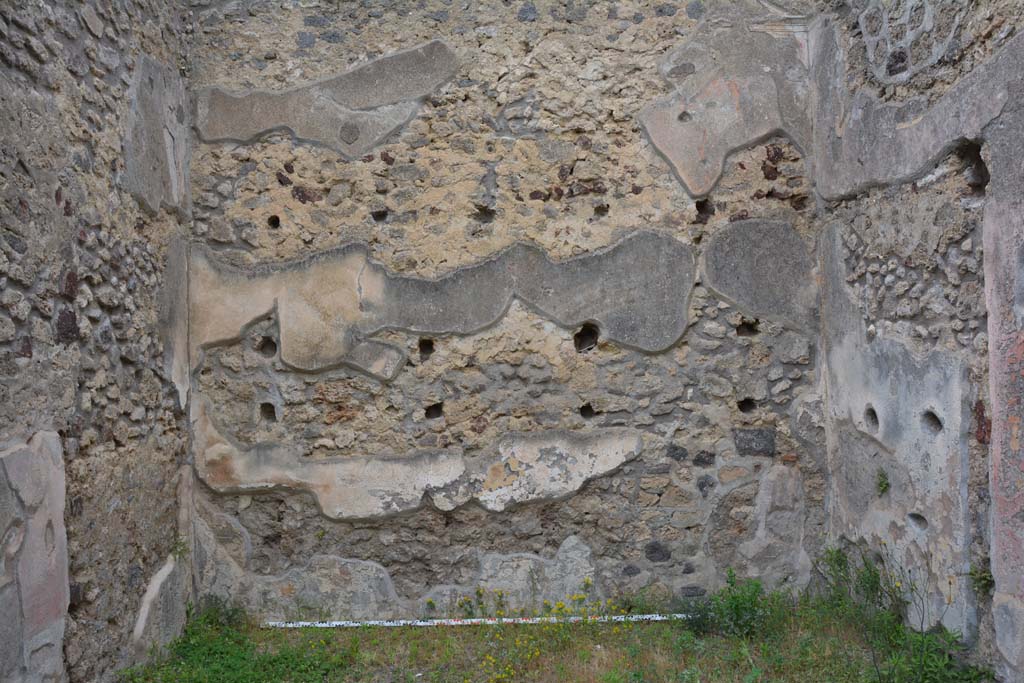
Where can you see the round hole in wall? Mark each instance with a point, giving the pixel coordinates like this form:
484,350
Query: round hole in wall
426,347
267,346
746,405
268,412
484,213
434,410
684,117
705,210
587,411
748,328
586,337
917,521
871,418
931,422
274,221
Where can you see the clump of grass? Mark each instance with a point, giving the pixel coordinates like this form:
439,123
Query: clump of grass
851,630
982,580
744,609
873,594
218,647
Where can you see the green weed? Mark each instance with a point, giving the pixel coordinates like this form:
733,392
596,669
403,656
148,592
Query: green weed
882,482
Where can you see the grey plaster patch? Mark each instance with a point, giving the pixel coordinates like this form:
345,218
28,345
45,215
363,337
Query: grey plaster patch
327,305
526,467
173,313
528,580
918,424
1008,612
766,269
861,142
331,587
551,464
12,656
33,560
162,613
156,148
739,79
777,553
350,113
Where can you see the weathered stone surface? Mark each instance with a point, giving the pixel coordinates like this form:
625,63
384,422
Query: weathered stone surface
163,612
780,527
637,291
33,560
351,113
734,522
860,141
741,78
766,269
656,551
758,441
1004,251
156,148
339,588
527,467
173,314
521,459
529,580
903,41
915,412
551,464
92,21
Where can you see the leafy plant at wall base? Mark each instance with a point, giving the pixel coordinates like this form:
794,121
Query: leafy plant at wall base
742,608
874,595
216,647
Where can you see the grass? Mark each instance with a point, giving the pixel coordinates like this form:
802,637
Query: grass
216,652
742,634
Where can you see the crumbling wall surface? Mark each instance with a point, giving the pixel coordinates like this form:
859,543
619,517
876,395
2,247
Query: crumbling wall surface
1004,241
906,261
93,141
474,333
901,97
34,582
905,351
533,298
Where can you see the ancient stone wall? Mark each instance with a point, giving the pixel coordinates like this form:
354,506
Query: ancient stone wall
463,328
94,128
352,310
819,299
